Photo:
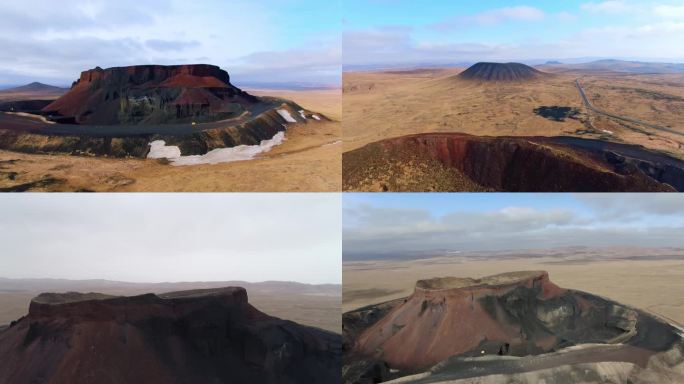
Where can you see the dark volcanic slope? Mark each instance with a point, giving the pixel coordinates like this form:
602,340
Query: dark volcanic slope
201,336
500,72
513,314
460,162
151,94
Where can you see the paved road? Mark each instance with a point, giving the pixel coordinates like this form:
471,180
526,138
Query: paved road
591,107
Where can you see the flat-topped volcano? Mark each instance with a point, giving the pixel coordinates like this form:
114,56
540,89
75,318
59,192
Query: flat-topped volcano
507,316
151,94
500,72
199,336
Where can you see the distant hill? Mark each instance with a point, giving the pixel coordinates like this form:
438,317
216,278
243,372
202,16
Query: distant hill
500,72
620,66
35,87
33,91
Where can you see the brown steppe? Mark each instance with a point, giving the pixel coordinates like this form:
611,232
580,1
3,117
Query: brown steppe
381,105
654,285
308,160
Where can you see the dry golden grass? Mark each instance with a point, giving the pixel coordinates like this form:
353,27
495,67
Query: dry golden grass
309,160
380,105
656,286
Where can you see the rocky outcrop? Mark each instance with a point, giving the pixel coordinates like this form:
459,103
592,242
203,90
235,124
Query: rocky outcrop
533,164
202,336
150,94
473,322
492,72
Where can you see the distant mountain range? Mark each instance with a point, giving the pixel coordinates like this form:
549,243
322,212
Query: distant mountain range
617,66
605,65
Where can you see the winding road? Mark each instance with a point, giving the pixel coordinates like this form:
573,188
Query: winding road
587,103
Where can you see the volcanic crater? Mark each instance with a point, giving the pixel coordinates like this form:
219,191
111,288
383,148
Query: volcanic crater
461,162
199,336
466,328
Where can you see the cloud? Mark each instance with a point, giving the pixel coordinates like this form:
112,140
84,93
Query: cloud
44,41
172,237
171,45
612,6
492,17
634,206
600,220
669,11
317,65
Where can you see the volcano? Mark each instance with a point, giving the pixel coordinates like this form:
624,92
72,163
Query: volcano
460,162
505,72
151,94
199,336
465,328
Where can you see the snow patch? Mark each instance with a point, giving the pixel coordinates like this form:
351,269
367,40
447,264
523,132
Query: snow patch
333,143
606,131
216,156
286,115
302,114
159,150
316,117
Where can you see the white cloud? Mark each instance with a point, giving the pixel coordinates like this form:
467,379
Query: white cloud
492,17
600,220
669,11
611,6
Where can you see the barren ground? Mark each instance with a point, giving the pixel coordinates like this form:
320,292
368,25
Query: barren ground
380,105
309,160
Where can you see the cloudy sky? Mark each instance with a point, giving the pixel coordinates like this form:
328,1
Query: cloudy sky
265,41
399,225
407,32
172,237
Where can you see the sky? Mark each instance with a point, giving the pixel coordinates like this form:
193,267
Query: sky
406,32
173,237
400,225
265,41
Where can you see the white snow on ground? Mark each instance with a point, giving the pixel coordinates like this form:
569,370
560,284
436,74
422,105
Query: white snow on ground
220,155
608,132
302,114
333,143
286,115
159,150
316,117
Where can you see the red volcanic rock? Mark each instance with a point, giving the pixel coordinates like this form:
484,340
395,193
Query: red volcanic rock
202,336
446,317
531,164
519,313
151,94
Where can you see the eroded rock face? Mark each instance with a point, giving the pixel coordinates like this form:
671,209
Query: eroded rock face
150,94
202,336
462,162
519,314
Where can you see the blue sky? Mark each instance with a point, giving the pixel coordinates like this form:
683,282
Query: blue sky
399,224
293,41
395,32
